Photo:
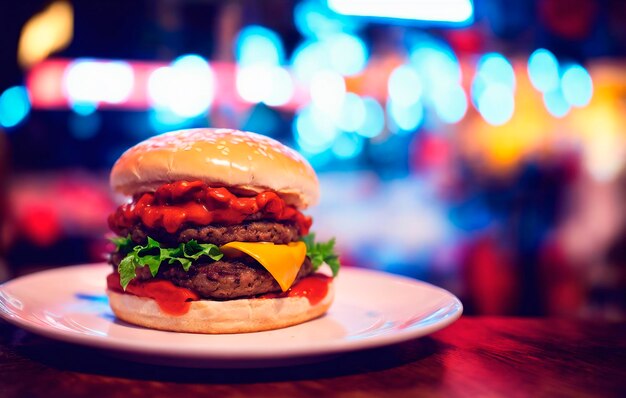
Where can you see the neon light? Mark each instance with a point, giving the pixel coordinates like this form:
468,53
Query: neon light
422,10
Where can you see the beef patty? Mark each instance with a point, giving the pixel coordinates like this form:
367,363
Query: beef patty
254,231
221,280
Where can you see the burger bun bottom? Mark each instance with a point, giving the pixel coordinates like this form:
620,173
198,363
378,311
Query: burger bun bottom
216,317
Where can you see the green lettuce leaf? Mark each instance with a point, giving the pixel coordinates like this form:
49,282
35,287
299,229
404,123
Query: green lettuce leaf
153,254
122,244
322,252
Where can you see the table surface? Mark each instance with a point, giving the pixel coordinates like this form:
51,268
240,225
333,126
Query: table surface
512,357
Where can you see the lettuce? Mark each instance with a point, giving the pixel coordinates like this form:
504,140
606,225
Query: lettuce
322,252
153,255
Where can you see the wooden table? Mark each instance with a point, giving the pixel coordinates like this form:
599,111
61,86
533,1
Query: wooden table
485,357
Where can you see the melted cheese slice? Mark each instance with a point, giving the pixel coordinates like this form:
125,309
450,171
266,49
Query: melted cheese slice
281,261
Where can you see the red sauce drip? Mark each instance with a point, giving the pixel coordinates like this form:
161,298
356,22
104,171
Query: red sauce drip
171,299
176,300
194,202
314,288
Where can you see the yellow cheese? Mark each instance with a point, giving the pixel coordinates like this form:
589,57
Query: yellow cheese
281,261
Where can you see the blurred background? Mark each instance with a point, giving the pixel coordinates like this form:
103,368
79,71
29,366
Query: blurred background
478,145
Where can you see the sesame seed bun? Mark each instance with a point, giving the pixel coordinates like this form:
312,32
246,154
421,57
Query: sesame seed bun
232,316
244,161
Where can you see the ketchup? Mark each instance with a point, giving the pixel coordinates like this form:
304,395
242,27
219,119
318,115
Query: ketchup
171,299
174,204
313,287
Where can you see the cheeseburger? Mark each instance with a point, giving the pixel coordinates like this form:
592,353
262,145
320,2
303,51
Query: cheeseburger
213,239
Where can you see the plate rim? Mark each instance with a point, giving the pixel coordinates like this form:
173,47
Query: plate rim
453,311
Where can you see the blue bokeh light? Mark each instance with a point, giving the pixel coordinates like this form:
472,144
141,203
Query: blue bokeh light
479,85
84,108
311,19
577,86
374,119
348,53
341,53
258,45
495,68
314,19
186,88
352,115
163,119
14,106
328,90
313,130
496,104
271,85
347,146
404,119
556,103
436,63
84,127
404,86
309,58
450,103
543,70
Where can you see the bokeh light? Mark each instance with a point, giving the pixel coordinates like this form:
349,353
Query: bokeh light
404,86
496,104
347,146
577,86
556,103
186,88
348,53
271,85
459,11
404,119
495,68
450,103
374,119
327,91
313,131
91,81
14,106
258,45
543,70
352,115
436,63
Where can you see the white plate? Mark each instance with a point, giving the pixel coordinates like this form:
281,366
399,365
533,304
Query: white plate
371,309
